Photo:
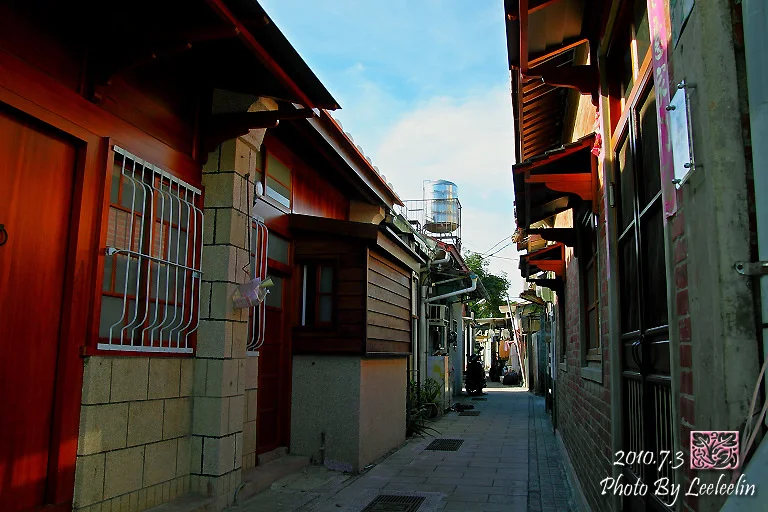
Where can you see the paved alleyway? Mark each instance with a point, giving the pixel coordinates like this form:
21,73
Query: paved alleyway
508,462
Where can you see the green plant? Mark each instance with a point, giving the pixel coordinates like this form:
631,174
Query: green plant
431,390
419,409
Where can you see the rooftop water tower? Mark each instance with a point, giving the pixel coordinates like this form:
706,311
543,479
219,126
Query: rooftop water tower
442,208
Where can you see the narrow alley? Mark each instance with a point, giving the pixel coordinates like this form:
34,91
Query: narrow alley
507,461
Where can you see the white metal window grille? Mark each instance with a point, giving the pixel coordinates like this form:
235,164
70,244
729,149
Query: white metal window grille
259,244
151,287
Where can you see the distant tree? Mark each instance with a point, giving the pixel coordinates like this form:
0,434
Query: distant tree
495,285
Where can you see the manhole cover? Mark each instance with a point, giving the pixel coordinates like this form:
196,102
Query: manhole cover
445,445
478,399
470,413
390,503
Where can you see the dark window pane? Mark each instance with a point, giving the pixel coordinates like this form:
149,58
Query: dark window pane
326,279
590,277
279,248
275,295
325,307
654,268
626,188
627,74
642,30
630,307
593,336
649,174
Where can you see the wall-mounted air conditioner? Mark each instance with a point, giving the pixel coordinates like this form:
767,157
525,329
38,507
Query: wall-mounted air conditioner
438,314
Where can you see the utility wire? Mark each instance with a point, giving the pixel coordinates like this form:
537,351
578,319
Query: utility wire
497,243
499,250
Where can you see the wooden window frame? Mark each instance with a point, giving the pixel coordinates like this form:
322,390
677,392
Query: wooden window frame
589,256
317,265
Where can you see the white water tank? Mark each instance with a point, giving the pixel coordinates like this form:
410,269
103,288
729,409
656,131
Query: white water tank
442,206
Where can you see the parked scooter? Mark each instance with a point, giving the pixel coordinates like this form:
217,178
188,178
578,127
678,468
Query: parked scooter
475,376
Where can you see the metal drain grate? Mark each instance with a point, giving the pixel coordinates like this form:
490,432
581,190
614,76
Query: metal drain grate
470,413
445,445
391,503
478,399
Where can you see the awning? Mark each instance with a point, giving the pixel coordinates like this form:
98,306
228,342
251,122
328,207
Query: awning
545,38
555,181
549,259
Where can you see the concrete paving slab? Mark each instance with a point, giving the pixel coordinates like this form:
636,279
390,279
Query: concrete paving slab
509,461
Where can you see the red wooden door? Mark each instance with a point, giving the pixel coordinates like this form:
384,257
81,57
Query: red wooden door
36,174
273,398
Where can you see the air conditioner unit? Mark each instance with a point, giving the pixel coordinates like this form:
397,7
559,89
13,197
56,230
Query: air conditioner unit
438,314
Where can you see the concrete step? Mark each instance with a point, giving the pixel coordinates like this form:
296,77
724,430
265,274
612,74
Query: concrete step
187,503
264,475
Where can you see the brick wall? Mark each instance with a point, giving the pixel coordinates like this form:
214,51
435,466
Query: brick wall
584,397
134,444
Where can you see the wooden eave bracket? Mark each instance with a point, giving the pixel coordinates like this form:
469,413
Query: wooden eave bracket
223,127
583,78
580,184
550,265
555,285
567,236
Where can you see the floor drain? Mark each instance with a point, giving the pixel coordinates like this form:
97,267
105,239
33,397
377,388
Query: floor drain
391,503
470,413
445,445
478,399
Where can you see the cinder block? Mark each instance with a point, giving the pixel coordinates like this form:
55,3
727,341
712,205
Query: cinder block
97,375
214,339
102,428
212,164
251,396
130,379
145,422
210,416
252,372
227,152
241,376
222,307
160,462
220,189
238,461
222,377
195,460
200,376
187,377
236,413
218,455
209,226
232,227
240,336
219,261
124,470
164,377
183,458
177,417
249,437
89,480
205,300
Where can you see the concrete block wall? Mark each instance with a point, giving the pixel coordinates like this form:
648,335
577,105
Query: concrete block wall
249,412
217,436
133,449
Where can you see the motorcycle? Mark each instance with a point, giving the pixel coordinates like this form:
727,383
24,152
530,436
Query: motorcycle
475,376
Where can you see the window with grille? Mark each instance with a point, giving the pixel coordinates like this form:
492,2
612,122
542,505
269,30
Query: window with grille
259,243
151,287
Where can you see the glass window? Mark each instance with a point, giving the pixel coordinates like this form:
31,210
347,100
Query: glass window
317,293
279,249
278,181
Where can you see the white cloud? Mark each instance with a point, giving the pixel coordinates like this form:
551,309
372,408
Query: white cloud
468,142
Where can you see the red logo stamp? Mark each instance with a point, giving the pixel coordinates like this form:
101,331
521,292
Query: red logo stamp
714,449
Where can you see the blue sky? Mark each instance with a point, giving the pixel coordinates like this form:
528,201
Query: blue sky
424,89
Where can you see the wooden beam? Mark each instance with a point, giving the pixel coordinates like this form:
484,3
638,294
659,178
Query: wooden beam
554,52
543,112
565,235
585,79
223,127
522,13
259,51
537,5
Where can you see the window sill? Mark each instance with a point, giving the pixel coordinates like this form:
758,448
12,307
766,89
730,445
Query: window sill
275,204
593,374
563,367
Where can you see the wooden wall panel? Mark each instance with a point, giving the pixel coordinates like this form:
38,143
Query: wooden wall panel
389,307
313,193
348,332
